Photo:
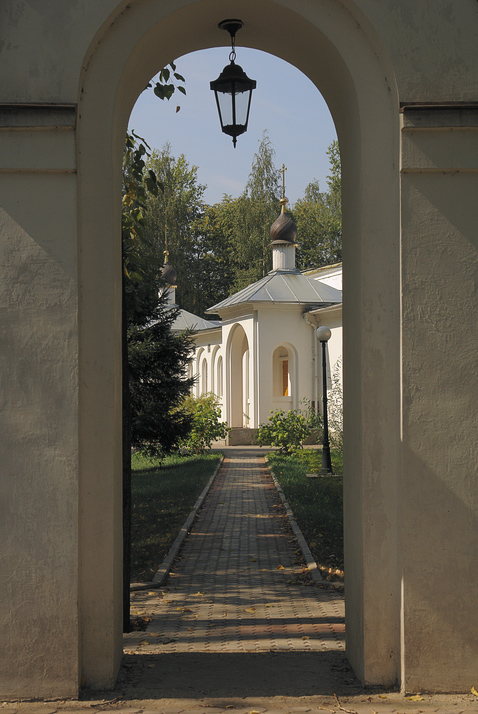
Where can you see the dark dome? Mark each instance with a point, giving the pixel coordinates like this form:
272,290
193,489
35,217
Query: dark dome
283,230
169,274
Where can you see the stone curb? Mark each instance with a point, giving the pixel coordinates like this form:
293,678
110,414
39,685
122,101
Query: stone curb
309,558
165,566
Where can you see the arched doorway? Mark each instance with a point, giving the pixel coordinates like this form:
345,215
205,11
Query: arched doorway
339,52
238,378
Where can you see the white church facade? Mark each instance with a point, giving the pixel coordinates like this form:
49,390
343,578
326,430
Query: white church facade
263,354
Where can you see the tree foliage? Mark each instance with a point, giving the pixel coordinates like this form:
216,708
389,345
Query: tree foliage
284,429
141,263
318,216
157,360
217,250
156,357
255,211
172,214
205,414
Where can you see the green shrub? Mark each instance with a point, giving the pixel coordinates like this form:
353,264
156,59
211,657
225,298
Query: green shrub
206,423
287,430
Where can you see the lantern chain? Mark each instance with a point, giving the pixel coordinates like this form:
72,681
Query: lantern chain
232,54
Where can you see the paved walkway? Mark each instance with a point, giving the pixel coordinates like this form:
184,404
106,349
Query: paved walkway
237,585
234,632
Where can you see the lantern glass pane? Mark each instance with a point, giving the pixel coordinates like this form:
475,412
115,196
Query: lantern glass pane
242,103
225,104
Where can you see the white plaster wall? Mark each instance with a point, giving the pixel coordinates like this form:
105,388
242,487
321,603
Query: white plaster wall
442,44
440,422
39,410
283,325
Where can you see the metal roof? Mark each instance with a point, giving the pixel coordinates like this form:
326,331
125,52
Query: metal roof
283,286
187,321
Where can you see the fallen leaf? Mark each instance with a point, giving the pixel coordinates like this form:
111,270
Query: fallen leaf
250,609
415,698
198,594
280,567
382,696
305,637
144,642
473,691
152,592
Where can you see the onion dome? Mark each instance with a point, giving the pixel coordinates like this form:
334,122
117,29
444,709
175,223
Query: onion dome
169,274
283,230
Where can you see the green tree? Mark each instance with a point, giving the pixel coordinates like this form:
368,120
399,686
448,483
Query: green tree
174,212
140,292
141,264
256,209
318,216
157,357
157,360
214,232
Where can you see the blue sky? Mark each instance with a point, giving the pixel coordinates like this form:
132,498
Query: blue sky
285,103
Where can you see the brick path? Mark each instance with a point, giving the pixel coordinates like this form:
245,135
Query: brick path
231,635
233,588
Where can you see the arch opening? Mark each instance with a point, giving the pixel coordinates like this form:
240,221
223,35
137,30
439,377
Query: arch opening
363,102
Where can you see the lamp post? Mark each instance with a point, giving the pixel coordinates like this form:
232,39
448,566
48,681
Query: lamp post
324,334
233,89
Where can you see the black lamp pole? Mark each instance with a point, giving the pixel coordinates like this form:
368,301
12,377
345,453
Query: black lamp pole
324,334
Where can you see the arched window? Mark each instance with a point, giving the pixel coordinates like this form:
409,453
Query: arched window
282,368
204,376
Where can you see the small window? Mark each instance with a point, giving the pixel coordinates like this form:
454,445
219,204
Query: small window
282,366
285,378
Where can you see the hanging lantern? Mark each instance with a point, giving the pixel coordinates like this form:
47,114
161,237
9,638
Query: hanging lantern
233,89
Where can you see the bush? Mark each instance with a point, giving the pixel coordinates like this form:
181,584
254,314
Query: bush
206,424
287,430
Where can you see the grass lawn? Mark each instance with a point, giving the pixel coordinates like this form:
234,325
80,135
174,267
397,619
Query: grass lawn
317,506
162,498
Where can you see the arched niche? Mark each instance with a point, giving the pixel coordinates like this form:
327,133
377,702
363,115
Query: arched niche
284,376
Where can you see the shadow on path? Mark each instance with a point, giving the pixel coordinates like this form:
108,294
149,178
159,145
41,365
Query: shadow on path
237,675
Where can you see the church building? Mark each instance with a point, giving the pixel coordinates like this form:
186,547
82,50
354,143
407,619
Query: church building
263,353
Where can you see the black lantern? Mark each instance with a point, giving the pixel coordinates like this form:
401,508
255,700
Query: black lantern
233,89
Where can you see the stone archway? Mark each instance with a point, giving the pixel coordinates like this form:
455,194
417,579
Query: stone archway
363,102
410,265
